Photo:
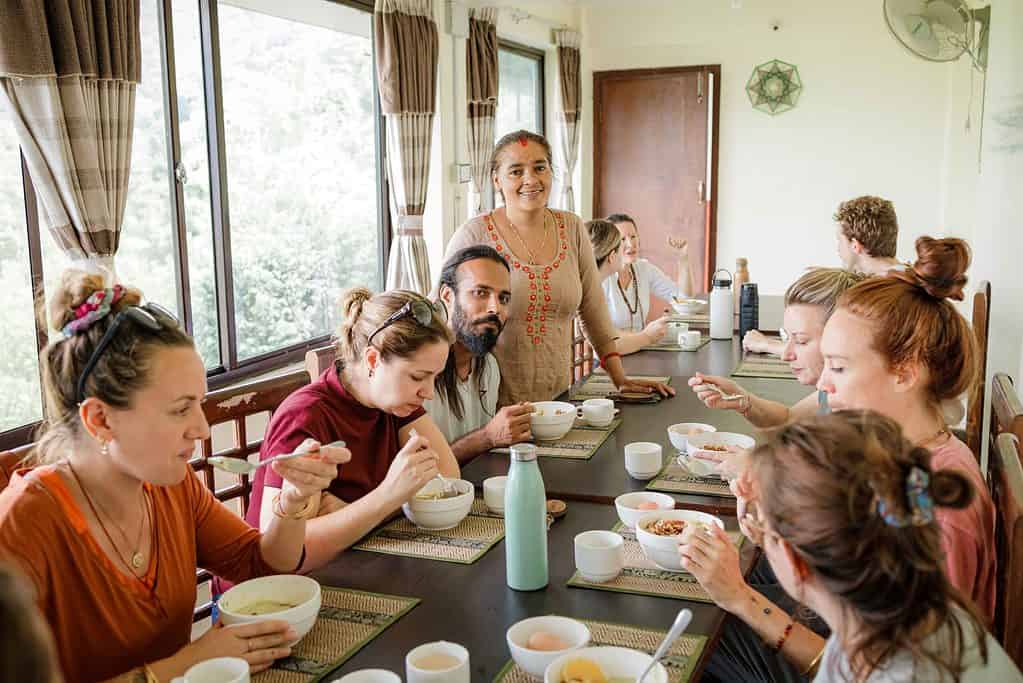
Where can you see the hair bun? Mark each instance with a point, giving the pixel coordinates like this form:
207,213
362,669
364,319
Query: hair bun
352,302
74,288
949,489
941,266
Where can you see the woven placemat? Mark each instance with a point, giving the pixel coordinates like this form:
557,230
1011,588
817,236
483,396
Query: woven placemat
680,660
763,367
580,443
348,621
599,385
469,541
674,478
643,577
676,347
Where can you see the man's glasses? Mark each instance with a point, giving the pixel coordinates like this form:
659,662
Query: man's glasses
420,310
153,317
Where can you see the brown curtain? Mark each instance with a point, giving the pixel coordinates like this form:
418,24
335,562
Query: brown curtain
571,102
68,73
481,68
405,51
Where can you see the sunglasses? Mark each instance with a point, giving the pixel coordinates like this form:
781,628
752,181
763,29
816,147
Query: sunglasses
420,310
153,317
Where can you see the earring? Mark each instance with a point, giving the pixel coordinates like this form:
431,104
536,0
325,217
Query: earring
371,371
104,450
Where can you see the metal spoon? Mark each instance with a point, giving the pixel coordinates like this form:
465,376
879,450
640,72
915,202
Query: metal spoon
722,394
447,487
681,622
239,466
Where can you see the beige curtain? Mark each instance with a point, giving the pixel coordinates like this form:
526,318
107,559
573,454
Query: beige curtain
68,73
481,68
405,46
571,101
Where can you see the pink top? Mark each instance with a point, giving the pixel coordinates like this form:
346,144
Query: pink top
968,535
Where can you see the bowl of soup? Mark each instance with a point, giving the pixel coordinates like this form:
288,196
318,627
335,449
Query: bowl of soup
608,664
536,642
660,533
433,508
687,306
551,420
679,433
287,597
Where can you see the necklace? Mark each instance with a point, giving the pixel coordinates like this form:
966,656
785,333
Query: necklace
136,558
634,306
532,257
926,442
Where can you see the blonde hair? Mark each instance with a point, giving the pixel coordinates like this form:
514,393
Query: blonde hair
364,313
822,287
121,372
604,237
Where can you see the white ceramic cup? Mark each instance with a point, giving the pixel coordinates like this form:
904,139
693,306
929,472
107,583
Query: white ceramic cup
219,670
415,671
689,340
597,412
643,458
493,493
675,329
370,676
599,555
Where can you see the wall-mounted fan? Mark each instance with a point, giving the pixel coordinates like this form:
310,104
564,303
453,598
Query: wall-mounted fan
940,30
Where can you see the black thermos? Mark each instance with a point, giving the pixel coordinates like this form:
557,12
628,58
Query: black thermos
749,309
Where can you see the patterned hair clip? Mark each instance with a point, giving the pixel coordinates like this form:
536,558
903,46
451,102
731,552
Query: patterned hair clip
95,308
920,503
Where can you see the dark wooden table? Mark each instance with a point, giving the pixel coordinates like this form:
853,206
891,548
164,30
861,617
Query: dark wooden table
603,477
471,604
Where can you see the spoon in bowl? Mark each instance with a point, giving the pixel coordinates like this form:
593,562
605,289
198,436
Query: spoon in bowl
447,486
239,466
677,628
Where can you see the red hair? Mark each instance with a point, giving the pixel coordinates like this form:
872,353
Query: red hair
915,323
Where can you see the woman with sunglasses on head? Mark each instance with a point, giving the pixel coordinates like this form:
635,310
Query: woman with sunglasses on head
111,524
607,247
390,348
850,515
554,278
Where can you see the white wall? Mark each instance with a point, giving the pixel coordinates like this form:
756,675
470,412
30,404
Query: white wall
871,119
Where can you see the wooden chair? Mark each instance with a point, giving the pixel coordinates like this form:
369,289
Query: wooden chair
11,461
237,408
975,404
318,360
1006,407
1007,492
582,353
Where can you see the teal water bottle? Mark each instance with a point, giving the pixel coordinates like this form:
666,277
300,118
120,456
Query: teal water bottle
525,521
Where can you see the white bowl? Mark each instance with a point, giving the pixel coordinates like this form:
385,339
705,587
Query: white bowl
663,550
445,513
627,502
493,493
688,306
618,662
697,445
535,662
678,434
292,589
371,676
551,420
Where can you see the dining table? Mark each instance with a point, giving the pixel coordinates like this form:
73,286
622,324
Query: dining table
471,604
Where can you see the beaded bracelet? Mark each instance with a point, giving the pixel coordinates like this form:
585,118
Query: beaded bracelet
784,636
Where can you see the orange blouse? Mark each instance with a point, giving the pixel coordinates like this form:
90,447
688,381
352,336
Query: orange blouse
104,622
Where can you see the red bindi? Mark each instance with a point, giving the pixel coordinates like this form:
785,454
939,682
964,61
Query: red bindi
522,140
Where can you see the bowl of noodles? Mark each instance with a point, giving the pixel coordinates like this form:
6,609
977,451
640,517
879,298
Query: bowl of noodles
433,508
286,597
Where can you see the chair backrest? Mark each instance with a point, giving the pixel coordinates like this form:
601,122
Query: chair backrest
582,353
1007,492
318,360
975,405
1006,407
10,461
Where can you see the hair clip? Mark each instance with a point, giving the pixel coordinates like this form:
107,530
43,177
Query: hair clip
918,497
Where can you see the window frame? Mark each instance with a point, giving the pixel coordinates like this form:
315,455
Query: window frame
230,369
538,56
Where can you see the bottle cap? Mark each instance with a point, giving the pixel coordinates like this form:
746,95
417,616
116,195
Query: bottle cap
523,452
741,262
723,282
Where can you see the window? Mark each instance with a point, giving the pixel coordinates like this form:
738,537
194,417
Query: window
254,195
520,90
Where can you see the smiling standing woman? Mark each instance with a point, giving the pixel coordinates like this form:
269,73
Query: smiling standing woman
111,524
554,278
390,349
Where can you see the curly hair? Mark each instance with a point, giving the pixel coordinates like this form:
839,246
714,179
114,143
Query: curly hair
871,221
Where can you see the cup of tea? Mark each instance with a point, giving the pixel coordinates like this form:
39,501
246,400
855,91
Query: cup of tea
493,493
599,555
437,662
219,670
643,459
597,412
689,340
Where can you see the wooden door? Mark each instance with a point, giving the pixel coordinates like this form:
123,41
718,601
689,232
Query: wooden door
652,134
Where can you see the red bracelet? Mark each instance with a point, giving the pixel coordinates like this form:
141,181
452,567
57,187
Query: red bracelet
784,636
613,354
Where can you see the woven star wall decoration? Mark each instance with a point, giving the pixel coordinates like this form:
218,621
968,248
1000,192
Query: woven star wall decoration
774,87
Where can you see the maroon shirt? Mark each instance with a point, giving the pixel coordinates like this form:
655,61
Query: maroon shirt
325,411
